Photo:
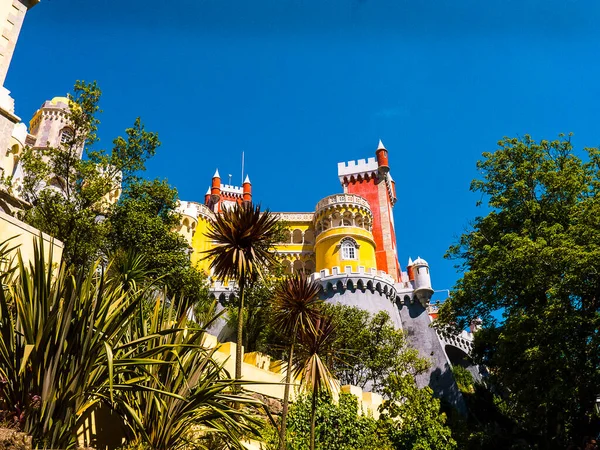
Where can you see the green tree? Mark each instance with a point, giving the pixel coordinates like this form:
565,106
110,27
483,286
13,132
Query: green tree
73,188
371,348
295,311
69,194
258,332
341,425
144,222
412,416
243,237
535,256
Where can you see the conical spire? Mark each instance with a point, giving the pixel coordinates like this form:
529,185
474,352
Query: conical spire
208,191
247,180
381,146
216,175
410,262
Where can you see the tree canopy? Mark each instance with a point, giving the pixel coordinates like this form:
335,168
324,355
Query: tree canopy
72,190
370,348
534,257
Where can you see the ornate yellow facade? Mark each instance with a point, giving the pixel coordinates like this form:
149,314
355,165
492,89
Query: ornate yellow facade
338,234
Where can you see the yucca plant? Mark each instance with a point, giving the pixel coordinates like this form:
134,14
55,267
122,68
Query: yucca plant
56,345
295,308
243,237
70,340
187,400
315,350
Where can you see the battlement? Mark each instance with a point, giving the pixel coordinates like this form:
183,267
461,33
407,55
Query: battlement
233,190
360,167
364,279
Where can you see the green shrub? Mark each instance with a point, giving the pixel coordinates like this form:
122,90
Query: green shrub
340,426
464,379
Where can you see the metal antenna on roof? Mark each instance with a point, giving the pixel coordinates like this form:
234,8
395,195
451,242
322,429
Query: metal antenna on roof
242,167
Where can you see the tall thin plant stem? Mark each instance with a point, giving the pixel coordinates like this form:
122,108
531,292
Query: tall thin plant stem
286,391
239,351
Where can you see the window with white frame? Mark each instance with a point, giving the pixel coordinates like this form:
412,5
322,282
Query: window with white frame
349,248
66,136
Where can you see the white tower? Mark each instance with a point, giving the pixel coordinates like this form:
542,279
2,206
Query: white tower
423,289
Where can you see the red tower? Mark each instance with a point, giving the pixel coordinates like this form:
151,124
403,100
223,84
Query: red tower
247,190
371,180
221,196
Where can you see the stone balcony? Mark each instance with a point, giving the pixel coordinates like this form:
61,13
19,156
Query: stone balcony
342,200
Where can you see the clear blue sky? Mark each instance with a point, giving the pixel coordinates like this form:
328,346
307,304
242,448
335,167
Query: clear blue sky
300,85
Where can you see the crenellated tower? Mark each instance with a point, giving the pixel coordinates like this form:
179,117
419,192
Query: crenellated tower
220,196
371,179
348,244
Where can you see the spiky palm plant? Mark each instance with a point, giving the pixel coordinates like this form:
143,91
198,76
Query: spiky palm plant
243,237
295,309
315,350
58,331
70,340
188,398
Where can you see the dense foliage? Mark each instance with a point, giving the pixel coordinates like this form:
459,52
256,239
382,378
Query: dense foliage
72,340
535,256
72,190
370,348
340,426
412,416
144,222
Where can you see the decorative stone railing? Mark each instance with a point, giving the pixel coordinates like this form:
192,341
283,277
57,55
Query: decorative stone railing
295,216
194,210
463,341
342,200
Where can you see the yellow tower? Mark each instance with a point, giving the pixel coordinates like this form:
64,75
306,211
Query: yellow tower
195,219
343,234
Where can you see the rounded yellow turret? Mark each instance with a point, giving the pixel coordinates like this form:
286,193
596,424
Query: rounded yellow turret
195,222
344,238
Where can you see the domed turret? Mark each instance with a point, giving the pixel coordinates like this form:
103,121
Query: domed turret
343,233
423,289
50,124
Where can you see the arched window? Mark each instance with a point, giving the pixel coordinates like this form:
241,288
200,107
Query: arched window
347,219
66,136
287,237
298,266
297,236
349,248
309,267
309,237
287,267
336,219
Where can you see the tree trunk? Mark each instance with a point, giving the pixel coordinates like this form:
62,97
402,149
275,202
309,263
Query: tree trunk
286,396
313,416
239,354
